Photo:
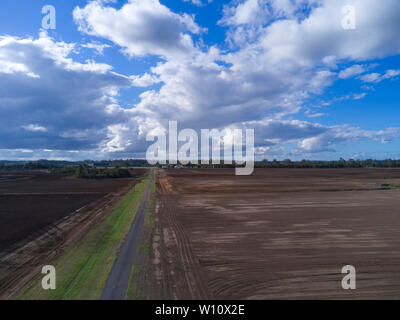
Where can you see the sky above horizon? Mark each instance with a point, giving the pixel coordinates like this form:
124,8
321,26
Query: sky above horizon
113,71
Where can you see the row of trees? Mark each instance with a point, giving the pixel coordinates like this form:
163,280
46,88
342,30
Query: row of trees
103,173
57,165
341,163
97,167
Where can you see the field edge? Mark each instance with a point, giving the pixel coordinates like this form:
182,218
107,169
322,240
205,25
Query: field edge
83,269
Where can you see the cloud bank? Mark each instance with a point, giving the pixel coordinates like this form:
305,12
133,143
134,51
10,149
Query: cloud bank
282,53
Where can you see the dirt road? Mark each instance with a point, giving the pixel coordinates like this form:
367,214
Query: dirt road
118,280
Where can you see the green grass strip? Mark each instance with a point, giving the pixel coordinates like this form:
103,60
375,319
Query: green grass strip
83,269
144,247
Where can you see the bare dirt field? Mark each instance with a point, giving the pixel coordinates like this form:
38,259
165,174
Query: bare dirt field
40,214
32,201
278,234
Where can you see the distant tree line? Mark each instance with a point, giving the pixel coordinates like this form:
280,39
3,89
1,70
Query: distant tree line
341,163
61,165
97,167
101,173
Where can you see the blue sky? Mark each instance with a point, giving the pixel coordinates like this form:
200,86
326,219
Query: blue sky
114,71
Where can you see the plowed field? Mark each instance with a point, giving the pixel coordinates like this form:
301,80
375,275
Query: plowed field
278,234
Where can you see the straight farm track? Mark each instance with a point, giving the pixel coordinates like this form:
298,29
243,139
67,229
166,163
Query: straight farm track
278,234
118,280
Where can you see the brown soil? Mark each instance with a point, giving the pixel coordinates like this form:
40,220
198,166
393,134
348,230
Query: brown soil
41,215
278,234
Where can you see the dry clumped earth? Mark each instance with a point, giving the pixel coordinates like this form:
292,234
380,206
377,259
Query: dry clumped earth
278,234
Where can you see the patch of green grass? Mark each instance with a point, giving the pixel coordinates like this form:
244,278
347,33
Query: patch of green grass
133,292
83,269
390,186
132,287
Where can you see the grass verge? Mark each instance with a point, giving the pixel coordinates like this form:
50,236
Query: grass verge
387,186
83,269
137,279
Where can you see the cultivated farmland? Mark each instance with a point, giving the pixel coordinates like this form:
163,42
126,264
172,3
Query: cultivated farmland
278,234
41,213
